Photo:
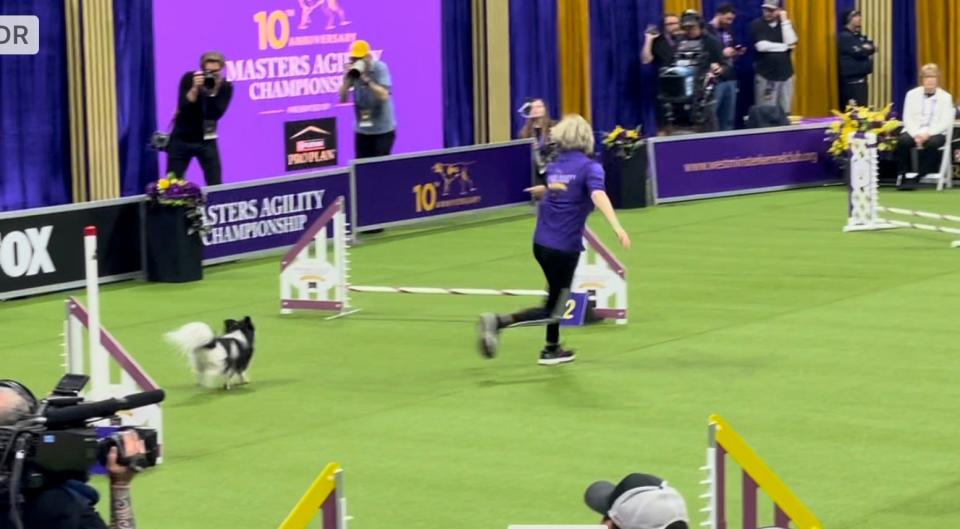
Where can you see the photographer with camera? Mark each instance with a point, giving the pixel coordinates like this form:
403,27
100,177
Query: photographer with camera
370,82
686,86
203,99
44,487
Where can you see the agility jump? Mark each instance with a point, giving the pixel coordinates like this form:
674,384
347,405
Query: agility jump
92,356
865,208
314,274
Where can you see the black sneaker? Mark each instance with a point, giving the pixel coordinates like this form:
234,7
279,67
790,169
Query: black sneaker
488,332
556,356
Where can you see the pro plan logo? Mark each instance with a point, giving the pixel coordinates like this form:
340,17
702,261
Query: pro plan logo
311,143
24,253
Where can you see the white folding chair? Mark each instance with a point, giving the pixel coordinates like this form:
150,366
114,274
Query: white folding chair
944,177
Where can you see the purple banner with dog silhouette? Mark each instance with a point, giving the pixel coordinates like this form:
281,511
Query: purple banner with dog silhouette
286,61
709,165
415,187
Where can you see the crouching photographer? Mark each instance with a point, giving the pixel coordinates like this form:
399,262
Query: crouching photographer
47,448
686,84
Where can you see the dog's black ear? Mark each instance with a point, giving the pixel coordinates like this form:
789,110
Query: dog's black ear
229,324
247,320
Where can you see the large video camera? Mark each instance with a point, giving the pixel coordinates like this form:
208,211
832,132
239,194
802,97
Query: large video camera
56,441
686,85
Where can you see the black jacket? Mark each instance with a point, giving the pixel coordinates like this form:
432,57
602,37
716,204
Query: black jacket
192,118
856,59
68,506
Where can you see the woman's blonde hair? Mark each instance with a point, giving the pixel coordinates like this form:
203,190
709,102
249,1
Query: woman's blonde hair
573,133
929,70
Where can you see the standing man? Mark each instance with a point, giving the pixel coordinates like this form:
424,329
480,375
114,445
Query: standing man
658,49
369,79
721,28
775,40
203,99
855,52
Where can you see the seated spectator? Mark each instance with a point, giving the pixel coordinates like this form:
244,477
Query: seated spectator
639,501
928,114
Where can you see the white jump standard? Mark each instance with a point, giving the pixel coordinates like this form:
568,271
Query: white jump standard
314,274
865,205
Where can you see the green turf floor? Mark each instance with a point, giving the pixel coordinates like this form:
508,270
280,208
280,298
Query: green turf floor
834,354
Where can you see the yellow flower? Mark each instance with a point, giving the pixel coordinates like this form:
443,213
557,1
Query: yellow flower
632,134
613,134
163,183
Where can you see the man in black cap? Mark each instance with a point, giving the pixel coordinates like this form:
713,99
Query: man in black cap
639,501
855,52
775,39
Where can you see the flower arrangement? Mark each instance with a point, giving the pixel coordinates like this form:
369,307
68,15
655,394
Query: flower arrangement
623,142
861,120
178,192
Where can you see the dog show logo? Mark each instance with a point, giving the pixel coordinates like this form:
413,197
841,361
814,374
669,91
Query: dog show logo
331,8
310,143
24,253
455,187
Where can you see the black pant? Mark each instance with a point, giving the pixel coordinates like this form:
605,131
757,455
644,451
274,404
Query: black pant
856,89
558,267
180,153
928,159
373,145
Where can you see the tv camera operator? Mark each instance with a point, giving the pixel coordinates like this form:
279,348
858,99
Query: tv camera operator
43,484
203,98
686,84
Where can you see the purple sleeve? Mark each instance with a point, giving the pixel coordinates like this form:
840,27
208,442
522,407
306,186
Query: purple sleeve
595,177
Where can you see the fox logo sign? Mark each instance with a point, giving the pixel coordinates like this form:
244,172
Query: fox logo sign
25,252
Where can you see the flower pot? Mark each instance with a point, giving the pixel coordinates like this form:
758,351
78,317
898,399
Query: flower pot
626,179
172,256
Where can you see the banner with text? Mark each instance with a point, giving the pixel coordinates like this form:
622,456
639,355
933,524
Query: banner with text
699,167
268,214
286,59
433,184
41,250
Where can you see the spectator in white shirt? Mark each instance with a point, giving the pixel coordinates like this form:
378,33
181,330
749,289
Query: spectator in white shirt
927,116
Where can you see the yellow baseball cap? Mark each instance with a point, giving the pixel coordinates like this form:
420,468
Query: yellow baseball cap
359,49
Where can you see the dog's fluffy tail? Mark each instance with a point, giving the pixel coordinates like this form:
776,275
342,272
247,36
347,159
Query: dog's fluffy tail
190,337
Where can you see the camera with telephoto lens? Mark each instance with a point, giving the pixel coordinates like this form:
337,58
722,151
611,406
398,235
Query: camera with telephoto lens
57,441
357,68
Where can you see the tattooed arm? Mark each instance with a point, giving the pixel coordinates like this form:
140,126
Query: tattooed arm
121,507
121,504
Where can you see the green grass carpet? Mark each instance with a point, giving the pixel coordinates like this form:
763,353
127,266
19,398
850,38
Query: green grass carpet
834,354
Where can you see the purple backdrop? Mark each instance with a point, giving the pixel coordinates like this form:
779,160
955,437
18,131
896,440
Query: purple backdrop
270,47
397,190
699,167
268,214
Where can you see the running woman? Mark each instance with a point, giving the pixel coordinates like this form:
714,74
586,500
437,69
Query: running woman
574,185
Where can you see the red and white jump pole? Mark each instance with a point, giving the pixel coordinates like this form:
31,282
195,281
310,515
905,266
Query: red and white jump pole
99,364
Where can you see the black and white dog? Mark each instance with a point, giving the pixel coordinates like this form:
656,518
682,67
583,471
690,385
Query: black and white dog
217,361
